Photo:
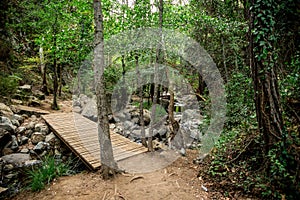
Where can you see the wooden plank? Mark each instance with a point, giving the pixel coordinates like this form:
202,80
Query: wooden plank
77,132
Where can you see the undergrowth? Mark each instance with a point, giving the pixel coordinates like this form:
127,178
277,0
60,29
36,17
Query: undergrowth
47,172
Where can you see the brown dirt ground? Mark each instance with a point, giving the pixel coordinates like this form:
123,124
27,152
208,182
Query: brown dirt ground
177,181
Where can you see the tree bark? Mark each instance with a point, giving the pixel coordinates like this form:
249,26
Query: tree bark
140,89
264,76
108,165
43,71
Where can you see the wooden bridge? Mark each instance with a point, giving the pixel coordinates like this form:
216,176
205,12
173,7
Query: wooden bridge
81,136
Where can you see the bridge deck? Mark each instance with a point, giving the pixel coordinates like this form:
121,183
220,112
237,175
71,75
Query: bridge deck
80,135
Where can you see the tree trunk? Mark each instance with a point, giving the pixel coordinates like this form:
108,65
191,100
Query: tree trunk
108,165
55,81
59,80
267,98
43,71
140,88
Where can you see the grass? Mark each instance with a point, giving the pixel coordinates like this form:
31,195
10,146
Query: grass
46,173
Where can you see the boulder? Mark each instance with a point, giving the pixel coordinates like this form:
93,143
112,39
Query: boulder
5,137
15,122
37,137
19,118
20,130
17,159
6,124
42,128
14,145
5,110
51,139
77,109
90,110
40,147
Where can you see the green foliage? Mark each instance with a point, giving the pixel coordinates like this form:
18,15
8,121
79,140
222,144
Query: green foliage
49,170
9,84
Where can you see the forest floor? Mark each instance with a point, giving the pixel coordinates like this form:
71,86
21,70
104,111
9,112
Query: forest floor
177,181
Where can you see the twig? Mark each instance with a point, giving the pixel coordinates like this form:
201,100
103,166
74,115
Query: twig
135,178
103,198
232,160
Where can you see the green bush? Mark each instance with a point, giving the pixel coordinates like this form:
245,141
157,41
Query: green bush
8,84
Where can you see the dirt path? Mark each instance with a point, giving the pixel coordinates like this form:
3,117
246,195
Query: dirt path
177,181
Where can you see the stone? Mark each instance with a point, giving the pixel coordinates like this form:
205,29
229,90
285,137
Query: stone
51,138
23,139
17,159
14,145
28,133
76,103
33,101
39,94
90,110
30,163
20,130
30,125
8,167
112,126
5,110
162,131
42,128
18,117
6,124
77,109
25,150
37,137
40,147
15,122
25,88
5,137
83,99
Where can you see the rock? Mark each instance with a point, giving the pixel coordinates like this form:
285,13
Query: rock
15,122
8,167
14,144
6,124
33,101
37,137
162,131
30,125
25,88
28,133
24,150
7,151
30,163
33,118
51,139
76,103
83,99
128,125
42,128
90,110
5,110
19,118
40,147
16,101
23,139
5,137
112,126
20,130
40,95
17,159
77,109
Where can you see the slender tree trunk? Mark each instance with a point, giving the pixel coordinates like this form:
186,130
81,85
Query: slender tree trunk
140,88
159,60
55,81
43,71
59,80
108,165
